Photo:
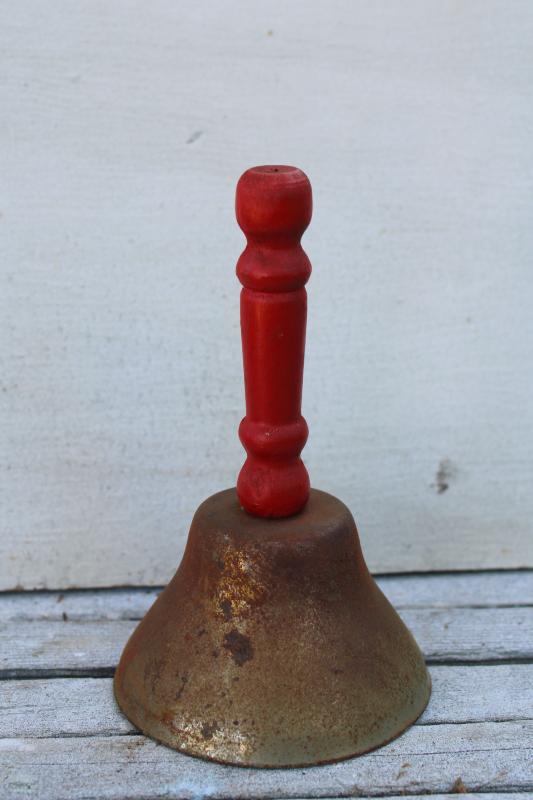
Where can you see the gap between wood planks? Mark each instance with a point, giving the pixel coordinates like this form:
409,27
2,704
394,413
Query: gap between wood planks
108,672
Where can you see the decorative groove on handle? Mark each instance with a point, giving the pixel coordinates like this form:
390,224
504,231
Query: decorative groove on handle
274,207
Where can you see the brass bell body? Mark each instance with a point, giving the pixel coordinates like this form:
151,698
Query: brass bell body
272,645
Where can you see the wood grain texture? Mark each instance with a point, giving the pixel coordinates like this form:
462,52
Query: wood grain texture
86,706
64,738
125,128
485,756
483,590
450,796
72,647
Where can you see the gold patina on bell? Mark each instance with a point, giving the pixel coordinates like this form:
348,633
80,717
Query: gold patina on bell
272,645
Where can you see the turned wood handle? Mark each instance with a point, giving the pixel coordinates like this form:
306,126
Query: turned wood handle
273,206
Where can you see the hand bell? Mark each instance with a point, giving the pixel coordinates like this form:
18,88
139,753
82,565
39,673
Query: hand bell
272,646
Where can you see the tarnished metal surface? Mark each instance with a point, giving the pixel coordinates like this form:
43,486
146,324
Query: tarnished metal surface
272,645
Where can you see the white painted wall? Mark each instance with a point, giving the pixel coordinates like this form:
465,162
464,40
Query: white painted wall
124,128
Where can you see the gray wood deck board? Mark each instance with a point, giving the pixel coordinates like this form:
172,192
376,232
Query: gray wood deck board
485,756
82,647
63,738
86,706
481,589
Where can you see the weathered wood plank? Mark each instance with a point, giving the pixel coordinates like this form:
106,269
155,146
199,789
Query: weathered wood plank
121,373
86,706
454,791
74,647
464,795
459,634
126,604
428,758
491,589
459,589
62,647
60,707
458,789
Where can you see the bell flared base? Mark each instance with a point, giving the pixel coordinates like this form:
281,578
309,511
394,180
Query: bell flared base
272,646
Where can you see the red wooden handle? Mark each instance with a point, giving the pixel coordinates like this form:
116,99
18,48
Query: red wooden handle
274,206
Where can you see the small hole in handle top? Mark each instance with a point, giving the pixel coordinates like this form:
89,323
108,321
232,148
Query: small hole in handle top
269,169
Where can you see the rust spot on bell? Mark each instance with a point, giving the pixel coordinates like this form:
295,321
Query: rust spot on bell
208,730
239,646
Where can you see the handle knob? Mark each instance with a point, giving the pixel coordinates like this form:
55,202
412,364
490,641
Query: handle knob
273,207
